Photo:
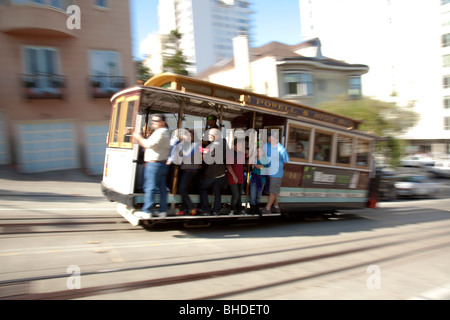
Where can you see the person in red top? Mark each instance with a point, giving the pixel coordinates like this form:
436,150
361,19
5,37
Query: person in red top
235,175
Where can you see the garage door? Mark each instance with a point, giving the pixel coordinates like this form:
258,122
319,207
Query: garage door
46,146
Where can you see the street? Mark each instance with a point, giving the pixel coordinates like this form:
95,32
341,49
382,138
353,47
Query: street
63,240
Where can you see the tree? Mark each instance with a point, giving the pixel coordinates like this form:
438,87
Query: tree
173,58
384,119
143,72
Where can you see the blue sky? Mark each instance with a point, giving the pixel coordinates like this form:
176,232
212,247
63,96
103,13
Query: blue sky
272,20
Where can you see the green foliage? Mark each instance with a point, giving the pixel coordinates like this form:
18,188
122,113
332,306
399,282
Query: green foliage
379,117
143,72
176,63
384,119
173,58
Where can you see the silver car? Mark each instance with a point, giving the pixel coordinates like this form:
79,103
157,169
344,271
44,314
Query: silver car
416,185
441,169
417,161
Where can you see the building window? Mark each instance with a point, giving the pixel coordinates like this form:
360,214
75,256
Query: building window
101,3
57,4
354,87
447,102
105,73
298,83
445,40
447,123
41,78
446,82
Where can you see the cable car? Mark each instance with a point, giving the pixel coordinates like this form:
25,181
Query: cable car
330,166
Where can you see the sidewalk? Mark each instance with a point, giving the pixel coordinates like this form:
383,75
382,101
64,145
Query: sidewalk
57,183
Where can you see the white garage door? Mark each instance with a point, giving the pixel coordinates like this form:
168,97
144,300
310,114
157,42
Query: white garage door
46,145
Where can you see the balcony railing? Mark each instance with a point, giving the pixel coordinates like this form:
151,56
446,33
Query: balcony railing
106,86
55,4
43,86
46,18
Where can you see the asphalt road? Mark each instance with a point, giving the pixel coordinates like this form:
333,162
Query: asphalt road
61,239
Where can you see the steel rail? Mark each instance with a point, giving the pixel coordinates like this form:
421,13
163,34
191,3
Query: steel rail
142,284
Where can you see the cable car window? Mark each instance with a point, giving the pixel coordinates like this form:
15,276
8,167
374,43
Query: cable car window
228,95
344,150
189,87
322,146
122,123
169,85
126,124
129,122
115,123
298,142
362,153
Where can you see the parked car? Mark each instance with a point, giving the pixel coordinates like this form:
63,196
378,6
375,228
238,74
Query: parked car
416,185
417,161
442,168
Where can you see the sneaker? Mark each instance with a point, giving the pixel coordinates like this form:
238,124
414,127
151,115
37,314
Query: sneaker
231,213
193,212
265,211
215,214
180,213
163,215
276,210
143,215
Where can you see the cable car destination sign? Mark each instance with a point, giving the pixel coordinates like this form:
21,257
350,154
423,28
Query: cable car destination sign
297,110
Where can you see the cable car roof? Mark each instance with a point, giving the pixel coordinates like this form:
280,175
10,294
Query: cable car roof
170,100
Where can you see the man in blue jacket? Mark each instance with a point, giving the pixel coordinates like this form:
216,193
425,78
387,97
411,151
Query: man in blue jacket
278,157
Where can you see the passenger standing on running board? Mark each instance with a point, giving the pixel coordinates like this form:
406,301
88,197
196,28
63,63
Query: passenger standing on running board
157,149
214,172
235,175
187,154
278,156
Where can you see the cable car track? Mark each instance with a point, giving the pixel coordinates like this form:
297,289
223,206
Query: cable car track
396,246
43,225
18,226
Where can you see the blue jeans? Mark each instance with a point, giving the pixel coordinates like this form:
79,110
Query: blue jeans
255,195
155,179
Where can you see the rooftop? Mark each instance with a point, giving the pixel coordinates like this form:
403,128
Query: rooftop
284,53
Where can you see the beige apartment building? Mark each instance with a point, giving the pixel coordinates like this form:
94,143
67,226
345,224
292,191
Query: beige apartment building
60,62
297,73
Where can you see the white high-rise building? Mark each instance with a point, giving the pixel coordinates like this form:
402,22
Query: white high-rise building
401,43
207,27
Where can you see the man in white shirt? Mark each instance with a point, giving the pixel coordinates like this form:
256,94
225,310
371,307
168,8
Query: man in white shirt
157,149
